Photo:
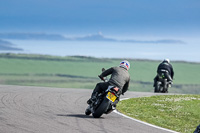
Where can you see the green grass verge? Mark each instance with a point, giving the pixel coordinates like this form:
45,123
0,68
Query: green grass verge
176,112
49,81
81,72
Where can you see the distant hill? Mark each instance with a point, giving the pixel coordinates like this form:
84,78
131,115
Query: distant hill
93,37
7,46
32,36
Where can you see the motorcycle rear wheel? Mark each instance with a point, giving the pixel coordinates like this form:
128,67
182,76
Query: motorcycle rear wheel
102,108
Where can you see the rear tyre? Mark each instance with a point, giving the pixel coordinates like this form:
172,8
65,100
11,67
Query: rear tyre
102,108
165,86
165,90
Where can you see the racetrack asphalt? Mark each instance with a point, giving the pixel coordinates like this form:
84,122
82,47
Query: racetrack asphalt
28,109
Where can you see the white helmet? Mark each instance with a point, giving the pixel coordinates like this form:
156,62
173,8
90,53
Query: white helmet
125,64
167,60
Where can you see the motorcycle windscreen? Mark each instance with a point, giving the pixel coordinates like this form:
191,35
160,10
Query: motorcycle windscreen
111,97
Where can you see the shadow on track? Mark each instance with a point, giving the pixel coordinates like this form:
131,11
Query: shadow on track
75,115
78,116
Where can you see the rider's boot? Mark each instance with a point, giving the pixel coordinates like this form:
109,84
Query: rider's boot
92,99
170,84
154,83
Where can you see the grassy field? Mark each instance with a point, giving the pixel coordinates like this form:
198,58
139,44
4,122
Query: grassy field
81,72
176,112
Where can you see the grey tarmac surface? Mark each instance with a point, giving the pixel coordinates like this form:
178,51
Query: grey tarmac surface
27,109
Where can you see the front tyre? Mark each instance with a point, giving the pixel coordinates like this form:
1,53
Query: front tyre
88,111
102,108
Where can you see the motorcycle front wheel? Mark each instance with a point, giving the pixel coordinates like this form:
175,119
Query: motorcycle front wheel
88,111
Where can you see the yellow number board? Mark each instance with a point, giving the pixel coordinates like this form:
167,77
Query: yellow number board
111,96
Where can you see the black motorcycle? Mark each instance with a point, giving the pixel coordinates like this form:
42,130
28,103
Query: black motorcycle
104,103
162,86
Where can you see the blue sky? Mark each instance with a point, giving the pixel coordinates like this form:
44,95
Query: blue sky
111,17
142,20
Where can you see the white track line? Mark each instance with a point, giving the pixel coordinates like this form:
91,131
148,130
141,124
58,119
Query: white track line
115,111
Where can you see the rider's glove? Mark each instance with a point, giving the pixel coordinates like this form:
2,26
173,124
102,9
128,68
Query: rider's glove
101,78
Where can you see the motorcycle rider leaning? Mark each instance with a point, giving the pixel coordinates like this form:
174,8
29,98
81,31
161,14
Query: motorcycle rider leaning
119,78
166,68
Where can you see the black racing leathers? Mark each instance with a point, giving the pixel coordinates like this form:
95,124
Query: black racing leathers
166,69
119,78
166,66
